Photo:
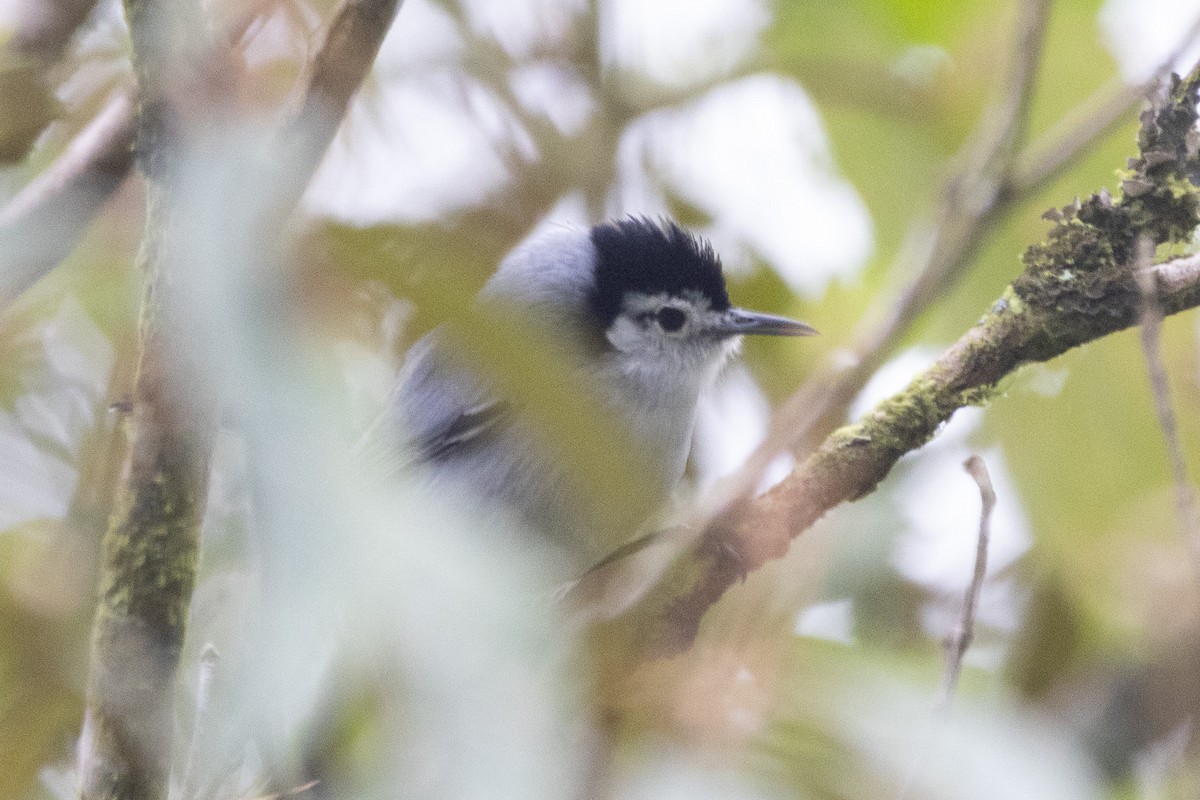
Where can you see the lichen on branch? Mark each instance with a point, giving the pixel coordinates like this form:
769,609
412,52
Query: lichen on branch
1081,275
1078,285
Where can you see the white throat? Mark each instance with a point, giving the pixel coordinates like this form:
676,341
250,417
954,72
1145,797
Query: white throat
659,397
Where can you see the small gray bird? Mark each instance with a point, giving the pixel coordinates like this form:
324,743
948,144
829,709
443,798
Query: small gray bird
641,310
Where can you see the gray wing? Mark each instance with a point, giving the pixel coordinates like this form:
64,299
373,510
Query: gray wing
470,428
445,411
466,436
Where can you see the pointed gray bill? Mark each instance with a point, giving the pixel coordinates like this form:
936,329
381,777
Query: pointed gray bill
737,321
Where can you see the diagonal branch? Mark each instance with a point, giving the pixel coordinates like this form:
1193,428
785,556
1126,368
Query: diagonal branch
935,254
855,458
1078,285
998,172
45,221
1047,157
347,51
42,224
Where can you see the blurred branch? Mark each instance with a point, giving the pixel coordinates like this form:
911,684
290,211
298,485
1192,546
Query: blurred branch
42,224
42,31
1055,150
1160,389
150,550
1078,285
1046,158
958,642
937,254
151,547
46,27
351,42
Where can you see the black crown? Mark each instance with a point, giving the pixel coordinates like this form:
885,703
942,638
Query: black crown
637,254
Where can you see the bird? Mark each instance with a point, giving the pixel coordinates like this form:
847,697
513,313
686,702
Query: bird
640,309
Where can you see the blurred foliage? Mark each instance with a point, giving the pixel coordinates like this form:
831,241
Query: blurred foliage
1085,671
21,88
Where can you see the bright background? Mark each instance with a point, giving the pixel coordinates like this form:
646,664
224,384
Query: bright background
409,654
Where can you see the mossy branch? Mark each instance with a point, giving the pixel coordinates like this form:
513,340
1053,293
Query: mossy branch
150,552
151,548
1078,285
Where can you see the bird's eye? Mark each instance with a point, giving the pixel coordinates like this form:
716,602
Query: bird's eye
671,319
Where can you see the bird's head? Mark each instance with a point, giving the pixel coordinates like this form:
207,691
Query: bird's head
646,296
659,297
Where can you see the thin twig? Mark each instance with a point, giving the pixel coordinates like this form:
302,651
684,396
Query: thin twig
962,636
1151,327
936,254
1046,158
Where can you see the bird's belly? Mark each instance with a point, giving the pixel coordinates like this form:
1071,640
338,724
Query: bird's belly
546,494
509,472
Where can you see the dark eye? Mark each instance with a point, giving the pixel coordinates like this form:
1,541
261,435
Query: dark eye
670,319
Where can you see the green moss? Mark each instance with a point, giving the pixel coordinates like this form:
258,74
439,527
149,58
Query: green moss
1081,270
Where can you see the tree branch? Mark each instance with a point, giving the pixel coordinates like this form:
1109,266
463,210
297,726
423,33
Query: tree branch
1078,285
961,637
1160,390
46,28
42,224
347,51
151,547
1001,172
855,458
936,254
